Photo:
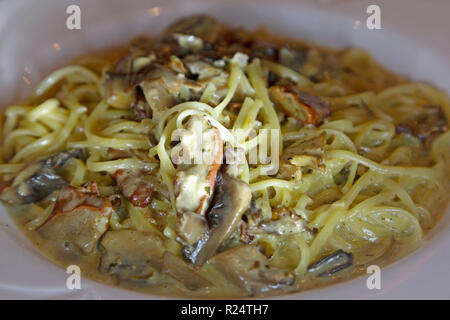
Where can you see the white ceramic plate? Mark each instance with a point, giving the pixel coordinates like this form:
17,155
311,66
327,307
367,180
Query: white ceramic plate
34,40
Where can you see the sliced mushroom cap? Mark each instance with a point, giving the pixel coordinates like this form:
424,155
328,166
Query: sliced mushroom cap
42,181
140,109
293,58
147,91
175,267
115,154
58,160
141,46
431,123
331,264
163,85
39,185
130,254
263,49
232,198
300,105
313,147
134,255
304,153
249,269
206,72
284,226
118,92
79,219
157,95
191,227
202,26
120,82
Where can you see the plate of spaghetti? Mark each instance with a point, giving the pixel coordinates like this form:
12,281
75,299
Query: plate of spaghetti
210,160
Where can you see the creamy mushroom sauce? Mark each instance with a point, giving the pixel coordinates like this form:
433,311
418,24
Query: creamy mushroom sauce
169,287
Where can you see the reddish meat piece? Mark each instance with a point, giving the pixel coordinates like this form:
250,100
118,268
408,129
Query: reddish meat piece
135,187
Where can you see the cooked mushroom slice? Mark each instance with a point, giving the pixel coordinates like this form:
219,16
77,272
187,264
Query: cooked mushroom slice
284,226
431,123
135,187
141,46
115,154
202,26
118,92
42,180
331,264
293,58
175,267
148,91
162,88
304,153
157,95
134,255
300,105
231,199
263,49
249,269
130,254
79,219
140,109
314,148
285,221
191,227
120,83
206,72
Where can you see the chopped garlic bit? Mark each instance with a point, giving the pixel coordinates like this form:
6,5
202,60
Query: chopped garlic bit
219,63
240,59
